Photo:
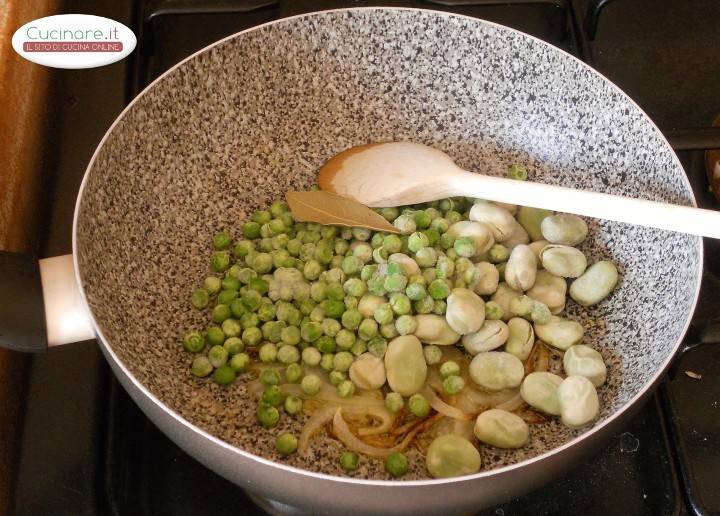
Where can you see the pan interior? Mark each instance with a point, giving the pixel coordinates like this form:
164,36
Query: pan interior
236,126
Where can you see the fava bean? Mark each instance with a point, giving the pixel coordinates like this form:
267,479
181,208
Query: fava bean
501,429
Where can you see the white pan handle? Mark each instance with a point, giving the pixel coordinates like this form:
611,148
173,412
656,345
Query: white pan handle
40,303
66,317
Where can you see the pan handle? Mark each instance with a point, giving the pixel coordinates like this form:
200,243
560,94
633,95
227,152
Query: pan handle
40,303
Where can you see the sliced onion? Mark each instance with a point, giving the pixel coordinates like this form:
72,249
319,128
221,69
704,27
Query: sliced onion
442,407
542,362
315,423
380,413
530,362
484,399
513,403
329,394
342,432
255,388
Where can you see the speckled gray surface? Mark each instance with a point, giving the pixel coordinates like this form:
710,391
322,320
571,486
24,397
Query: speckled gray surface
236,126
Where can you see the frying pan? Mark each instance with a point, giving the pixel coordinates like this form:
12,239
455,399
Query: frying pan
233,127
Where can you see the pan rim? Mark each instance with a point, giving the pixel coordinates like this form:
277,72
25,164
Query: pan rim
178,419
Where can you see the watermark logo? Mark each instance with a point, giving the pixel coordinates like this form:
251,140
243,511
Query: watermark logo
74,41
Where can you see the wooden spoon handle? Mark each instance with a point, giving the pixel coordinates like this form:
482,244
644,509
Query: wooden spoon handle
660,215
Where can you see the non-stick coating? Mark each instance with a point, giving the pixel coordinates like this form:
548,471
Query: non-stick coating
234,127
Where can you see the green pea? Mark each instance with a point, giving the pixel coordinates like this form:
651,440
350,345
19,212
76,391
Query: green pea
342,361
224,375
237,308
392,244
440,225
395,283
449,368
517,172
310,331
346,389
293,405
394,402
212,284
290,335
267,415
368,329
351,265
215,335
266,313
231,327
335,292
268,352
349,461
326,362
288,354
200,298
424,305
388,330
453,384
333,308
226,297
337,377
201,366
221,240
272,395
240,362
389,214
307,306
293,372
194,342
269,377
311,356
252,336
220,261
351,319
422,219
251,230
433,354
311,384
396,464
218,356
325,344
418,405
439,289
261,217
400,304
345,339
234,345
377,346
358,348
447,240
243,249
465,247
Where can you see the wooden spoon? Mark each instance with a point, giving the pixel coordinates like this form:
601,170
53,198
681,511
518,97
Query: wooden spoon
399,173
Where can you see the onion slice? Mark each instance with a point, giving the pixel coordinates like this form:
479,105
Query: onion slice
329,394
542,362
442,407
513,403
315,423
342,432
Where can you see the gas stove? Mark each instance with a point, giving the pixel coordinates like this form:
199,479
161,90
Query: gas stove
86,449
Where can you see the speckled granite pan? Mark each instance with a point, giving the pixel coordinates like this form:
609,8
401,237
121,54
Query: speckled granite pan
235,126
